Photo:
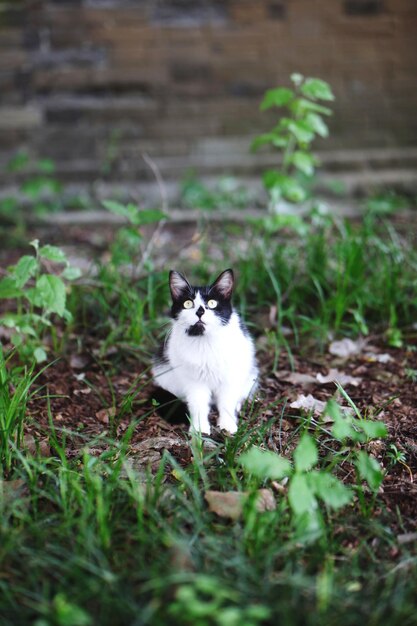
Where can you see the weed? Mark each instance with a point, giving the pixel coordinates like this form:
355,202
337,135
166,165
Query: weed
36,295
293,136
309,485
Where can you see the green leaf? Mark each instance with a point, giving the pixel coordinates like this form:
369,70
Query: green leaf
46,166
316,124
71,273
18,162
301,106
37,186
265,464
117,208
305,454
40,355
278,221
293,191
330,489
281,185
302,131
148,216
262,140
8,320
20,322
68,613
343,427
373,429
9,289
53,253
316,89
304,162
271,179
300,495
276,98
50,294
24,269
369,470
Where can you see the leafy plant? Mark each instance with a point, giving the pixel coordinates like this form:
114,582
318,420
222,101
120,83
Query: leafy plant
311,479
37,295
293,136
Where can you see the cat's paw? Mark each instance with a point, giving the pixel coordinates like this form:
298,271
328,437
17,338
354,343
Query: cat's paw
229,424
203,429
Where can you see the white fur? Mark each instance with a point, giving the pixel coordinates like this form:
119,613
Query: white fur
217,367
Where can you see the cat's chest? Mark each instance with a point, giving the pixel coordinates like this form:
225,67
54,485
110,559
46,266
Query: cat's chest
205,360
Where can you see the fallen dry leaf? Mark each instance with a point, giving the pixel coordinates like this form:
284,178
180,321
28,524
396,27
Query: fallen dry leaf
34,446
78,361
308,403
85,392
104,415
230,503
379,358
340,377
295,378
346,348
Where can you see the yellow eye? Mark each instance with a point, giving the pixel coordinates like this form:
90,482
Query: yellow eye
188,304
212,304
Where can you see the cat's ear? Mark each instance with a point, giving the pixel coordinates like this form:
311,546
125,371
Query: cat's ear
178,284
224,284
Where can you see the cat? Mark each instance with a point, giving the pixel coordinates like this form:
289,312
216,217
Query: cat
208,356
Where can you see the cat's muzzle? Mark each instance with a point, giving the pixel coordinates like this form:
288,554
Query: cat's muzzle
197,329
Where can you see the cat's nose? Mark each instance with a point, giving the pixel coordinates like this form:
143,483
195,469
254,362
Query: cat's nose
200,312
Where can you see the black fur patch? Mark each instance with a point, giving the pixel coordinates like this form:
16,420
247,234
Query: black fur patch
170,408
160,356
196,330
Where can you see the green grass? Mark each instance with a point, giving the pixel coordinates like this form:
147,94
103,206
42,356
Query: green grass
341,277
91,541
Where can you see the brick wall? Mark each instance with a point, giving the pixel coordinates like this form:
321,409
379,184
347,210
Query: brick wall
95,83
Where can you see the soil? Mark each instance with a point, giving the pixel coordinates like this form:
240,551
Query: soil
86,402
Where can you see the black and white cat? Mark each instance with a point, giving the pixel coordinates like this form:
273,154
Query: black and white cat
208,356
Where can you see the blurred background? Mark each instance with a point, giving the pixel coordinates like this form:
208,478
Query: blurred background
92,85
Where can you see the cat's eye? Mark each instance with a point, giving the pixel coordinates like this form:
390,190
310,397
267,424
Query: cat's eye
188,304
212,304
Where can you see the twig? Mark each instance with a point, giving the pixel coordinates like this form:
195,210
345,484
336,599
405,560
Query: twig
148,250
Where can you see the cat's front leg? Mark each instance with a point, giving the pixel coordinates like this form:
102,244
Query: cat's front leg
228,405
198,402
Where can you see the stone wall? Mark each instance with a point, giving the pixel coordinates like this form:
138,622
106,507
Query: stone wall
96,83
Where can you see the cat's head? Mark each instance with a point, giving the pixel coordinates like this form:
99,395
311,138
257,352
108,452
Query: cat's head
201,310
